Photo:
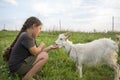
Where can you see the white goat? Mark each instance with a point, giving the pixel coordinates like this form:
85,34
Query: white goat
98,51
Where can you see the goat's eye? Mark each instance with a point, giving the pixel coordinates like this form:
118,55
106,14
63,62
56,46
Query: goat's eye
60,38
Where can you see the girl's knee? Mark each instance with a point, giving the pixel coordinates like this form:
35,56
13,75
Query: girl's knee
45,55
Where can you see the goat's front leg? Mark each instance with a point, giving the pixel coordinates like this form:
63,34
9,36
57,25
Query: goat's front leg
80,70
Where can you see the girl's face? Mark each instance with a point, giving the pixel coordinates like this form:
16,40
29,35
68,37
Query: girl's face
36,30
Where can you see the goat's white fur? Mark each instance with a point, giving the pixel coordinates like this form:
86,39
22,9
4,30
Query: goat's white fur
98,51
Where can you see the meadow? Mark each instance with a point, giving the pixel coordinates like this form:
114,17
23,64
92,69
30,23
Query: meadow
59,65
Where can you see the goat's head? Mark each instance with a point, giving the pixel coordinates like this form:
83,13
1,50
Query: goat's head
62,39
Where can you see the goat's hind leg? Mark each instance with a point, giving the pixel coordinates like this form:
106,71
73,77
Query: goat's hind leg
116,68
119,70
112,61
113,64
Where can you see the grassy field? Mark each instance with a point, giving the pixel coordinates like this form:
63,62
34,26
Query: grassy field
59,65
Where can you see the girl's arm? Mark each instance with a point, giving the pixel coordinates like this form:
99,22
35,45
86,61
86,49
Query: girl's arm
36,50
51,47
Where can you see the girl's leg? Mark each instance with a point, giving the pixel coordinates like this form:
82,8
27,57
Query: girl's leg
39,62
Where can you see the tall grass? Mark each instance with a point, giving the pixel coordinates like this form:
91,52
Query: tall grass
59,65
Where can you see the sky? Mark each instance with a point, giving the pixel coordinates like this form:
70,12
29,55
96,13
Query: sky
75,15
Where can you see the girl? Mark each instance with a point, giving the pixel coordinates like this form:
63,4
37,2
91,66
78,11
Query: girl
25,57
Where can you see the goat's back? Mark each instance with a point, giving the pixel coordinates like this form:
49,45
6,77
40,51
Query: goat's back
95,51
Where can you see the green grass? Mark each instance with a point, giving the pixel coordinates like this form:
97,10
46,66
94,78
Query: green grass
59,65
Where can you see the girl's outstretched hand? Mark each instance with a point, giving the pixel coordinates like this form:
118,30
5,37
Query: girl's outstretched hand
51,47
54,46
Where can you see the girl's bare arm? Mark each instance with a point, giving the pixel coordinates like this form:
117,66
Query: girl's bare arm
51,47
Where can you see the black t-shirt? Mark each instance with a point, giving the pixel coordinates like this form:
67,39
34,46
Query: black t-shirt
20,51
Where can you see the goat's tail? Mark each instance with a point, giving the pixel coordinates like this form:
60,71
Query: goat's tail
117,37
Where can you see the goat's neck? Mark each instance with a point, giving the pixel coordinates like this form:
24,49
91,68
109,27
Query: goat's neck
68,46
